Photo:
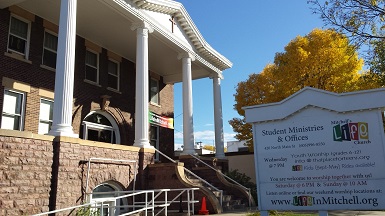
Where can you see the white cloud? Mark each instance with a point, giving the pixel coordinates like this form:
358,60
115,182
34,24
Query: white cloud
204,135
178,135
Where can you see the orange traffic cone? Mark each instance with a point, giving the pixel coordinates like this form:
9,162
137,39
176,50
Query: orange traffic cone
203,210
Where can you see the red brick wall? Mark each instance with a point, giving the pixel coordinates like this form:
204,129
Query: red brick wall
87,97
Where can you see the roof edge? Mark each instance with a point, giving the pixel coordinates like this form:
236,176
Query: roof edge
177,9
312,97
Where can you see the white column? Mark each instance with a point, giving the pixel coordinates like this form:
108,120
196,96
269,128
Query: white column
188,129
141,85
64,79
218,118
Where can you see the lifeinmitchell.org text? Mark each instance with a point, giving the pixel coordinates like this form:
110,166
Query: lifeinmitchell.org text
310,201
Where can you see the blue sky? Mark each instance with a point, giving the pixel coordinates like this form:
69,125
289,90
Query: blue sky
248,33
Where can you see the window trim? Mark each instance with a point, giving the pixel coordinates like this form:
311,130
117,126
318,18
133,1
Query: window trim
97,67
117,76
28,39
114,128
97,127
49,121
44,48
22,108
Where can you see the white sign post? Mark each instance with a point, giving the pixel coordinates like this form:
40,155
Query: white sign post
322,151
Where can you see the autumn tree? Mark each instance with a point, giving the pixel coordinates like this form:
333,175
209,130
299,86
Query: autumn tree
323,59
363,21
208,147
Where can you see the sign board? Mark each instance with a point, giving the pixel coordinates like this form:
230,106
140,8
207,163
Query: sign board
162,121
318,158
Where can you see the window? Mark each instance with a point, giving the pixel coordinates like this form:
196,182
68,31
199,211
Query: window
103,195
45,117
113,75
18,40
13,110
92,72
154,91
50,50
101,127
154,139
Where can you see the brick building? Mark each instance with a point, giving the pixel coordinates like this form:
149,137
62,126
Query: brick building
96,70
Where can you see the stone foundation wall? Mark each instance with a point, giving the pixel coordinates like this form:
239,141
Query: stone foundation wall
40,173
25,174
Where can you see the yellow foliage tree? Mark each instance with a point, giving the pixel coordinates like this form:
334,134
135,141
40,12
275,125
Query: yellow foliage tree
209,147
322,59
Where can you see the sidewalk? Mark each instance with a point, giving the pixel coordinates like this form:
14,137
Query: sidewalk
330,213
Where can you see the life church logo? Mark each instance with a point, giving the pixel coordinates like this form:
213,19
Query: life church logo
346,130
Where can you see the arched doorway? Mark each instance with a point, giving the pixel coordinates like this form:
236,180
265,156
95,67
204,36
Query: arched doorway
100,126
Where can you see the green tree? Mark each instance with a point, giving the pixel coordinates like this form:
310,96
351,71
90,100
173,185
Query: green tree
361,20
377,59
244,180
322,59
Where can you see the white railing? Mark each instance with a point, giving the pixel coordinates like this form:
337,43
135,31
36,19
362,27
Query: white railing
196,176
97,208
232,180
149,203
163,205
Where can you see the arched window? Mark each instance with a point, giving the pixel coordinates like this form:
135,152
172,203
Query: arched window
103,193
100,126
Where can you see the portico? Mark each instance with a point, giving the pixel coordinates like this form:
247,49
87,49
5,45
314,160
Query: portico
140,31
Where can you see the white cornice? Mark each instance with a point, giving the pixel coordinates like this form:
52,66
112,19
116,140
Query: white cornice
177,10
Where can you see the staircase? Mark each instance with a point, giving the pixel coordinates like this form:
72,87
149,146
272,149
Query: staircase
232,196
221,192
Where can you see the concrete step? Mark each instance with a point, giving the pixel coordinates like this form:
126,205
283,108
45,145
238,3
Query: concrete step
227,198
234,207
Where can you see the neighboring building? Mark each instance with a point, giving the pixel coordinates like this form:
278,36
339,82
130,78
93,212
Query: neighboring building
237,146
98,70
199,150
243,162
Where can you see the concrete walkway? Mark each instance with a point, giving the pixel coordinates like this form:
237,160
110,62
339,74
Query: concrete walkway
330,213
356,213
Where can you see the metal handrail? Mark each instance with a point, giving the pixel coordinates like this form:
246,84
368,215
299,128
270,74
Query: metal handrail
196,176
168,202
111,160
144,205
100,204
232,180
